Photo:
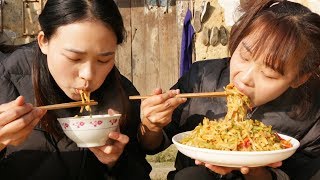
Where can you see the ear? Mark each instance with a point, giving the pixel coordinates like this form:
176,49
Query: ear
301,80
43,42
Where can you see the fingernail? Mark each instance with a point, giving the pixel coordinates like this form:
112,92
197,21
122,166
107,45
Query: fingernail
39,112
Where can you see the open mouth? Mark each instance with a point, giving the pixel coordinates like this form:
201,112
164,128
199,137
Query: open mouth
243,90
77,91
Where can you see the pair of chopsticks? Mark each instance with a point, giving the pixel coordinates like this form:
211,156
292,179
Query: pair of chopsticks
66,105
189,95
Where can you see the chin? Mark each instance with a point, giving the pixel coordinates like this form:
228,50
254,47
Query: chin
255,104
73,96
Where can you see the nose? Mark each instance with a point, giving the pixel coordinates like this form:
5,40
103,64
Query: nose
86,71
247,77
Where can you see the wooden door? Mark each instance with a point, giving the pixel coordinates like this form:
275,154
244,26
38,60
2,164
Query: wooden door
150,55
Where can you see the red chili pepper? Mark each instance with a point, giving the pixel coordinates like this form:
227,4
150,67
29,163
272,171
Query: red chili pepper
280,138
285,144
247,142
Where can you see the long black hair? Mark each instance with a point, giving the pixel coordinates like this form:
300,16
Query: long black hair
55,14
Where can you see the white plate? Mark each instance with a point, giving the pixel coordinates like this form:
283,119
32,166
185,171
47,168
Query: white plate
235,158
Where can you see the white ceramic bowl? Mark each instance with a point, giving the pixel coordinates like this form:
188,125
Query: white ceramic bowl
235,158
89,131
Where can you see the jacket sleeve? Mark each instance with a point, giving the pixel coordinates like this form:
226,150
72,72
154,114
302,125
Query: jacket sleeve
8,92
15,74
301,166
2,56
132,162
312,139
202,76
187,83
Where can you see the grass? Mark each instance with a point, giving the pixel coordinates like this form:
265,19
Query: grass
162,163
168,155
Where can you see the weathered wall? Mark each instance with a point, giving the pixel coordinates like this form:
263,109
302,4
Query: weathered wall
150,55
20,19
222,12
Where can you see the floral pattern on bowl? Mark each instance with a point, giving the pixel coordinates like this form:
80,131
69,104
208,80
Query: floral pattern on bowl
96,123
88,124
89,131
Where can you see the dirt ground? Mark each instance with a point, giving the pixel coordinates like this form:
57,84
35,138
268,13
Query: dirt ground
160,170
162,163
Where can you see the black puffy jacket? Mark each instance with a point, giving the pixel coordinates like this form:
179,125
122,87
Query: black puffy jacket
42,156
213,75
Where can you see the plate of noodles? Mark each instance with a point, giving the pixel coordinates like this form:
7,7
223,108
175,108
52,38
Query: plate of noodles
235,140
235,158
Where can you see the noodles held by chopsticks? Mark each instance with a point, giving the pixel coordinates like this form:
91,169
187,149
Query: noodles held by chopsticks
235,132
85,98
237,103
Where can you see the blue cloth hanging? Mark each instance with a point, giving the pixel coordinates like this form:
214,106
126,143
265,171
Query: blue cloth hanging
186,44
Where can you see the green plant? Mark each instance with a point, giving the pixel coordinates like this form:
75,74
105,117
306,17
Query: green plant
168,155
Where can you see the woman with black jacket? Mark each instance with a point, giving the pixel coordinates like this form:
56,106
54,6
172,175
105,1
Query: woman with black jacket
75,50
275,59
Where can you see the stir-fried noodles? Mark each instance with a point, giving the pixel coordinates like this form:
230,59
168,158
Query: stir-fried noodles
85,97
237,104
235,132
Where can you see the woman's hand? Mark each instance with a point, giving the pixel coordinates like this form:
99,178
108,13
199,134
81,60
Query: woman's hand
156,111
256,172
109,154
17,121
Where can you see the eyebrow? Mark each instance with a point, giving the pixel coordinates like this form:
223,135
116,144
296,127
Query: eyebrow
246,47
106,53
83,52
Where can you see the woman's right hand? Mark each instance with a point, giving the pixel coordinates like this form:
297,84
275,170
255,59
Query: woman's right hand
17,120
156,111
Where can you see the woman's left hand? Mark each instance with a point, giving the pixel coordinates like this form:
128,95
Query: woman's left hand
109,154
225,170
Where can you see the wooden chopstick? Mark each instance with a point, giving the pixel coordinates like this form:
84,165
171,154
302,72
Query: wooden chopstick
66,105
189,95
